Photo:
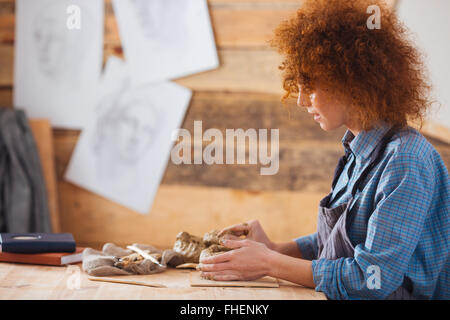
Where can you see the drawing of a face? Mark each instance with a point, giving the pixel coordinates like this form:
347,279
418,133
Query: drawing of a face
136,130
160,18
127,127
51,44
60,52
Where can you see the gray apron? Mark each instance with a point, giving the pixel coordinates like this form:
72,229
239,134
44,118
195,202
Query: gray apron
333,223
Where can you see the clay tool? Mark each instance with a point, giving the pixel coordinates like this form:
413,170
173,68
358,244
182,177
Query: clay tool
123,280
145,255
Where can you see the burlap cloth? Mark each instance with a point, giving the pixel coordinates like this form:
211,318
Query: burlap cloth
101,263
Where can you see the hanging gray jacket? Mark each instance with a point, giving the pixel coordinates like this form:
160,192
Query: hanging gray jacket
23,196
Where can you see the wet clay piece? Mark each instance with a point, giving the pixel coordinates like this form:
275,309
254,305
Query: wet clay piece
212,237
213,250
189,246
134,258
193,247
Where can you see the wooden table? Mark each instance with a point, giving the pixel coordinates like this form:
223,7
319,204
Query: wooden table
20,281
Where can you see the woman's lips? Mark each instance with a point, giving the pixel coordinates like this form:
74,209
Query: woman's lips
316,115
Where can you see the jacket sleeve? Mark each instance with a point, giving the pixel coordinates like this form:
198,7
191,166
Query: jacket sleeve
377,269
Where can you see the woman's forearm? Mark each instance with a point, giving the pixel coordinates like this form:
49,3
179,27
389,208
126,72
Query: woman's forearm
291,269
287,248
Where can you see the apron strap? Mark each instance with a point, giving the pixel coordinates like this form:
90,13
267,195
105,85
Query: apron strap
339,168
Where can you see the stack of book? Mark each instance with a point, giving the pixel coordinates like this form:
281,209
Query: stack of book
54,249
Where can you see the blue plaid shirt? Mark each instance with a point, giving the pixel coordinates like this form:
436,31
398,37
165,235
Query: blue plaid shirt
401,224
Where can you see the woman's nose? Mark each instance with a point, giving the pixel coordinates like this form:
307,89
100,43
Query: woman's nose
303,100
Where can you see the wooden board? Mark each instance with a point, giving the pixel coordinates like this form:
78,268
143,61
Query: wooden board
44,140
265,282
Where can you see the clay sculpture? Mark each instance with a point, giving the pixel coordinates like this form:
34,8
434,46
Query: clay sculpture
189,246
193,247
213,250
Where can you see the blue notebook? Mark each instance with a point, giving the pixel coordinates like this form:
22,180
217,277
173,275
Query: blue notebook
36,242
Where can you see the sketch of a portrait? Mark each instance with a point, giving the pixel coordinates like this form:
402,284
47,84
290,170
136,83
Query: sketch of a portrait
165,39
159,19
123,151
60,52
125,130
56,68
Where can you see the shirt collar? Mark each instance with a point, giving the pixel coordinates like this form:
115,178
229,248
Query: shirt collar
365,142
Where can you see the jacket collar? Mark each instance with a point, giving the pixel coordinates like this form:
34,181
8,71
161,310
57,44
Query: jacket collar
365,142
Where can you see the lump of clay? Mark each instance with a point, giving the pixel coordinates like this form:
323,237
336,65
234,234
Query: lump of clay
213,250
212,237
134,258
189,246
136,264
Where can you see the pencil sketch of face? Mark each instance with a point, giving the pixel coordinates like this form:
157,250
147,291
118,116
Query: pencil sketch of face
159,19
59,52
50,45
127,128
136,129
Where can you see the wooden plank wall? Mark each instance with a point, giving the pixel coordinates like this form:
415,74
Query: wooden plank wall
243,93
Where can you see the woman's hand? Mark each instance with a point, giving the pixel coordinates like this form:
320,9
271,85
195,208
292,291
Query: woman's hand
249,260
252,230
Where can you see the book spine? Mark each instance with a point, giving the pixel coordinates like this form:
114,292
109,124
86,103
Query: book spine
38,247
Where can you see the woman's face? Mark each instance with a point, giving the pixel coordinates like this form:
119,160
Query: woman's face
327,110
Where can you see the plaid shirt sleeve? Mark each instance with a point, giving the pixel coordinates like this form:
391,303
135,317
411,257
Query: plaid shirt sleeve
403,199
307,246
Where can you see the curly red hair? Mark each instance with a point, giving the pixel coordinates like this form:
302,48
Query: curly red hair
379,71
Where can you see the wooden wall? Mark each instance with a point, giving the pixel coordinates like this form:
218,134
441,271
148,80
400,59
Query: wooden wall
243,93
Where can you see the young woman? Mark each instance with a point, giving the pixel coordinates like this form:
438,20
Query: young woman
383,231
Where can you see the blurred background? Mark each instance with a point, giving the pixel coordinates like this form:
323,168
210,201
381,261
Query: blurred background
244,92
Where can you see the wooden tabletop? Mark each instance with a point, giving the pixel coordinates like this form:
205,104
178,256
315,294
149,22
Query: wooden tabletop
20,281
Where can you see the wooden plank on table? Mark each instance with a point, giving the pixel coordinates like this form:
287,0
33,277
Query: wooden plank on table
265,282
44,140
125,280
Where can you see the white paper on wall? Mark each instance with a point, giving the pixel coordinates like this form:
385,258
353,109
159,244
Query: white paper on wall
57,65
165,39
429,23
122,153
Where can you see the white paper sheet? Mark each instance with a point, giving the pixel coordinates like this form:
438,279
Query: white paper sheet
430,26
56,67
123,151
165,39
